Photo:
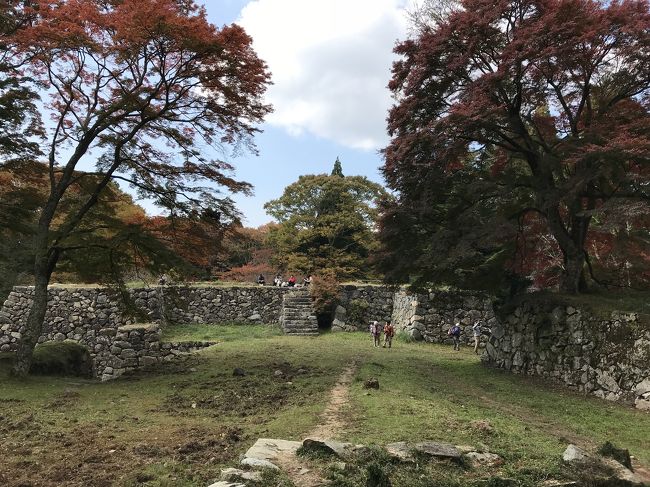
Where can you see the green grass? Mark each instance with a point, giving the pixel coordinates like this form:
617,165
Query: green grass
183,422
218,333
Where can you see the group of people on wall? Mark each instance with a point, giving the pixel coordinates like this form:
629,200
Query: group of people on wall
279,282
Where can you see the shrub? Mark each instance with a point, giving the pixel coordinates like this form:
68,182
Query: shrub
61,358
357,311
324,291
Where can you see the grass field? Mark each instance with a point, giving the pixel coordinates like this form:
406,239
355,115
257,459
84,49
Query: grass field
182,422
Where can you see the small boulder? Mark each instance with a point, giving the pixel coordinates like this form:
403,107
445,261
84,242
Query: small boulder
643,402
278,373
484,459
223,483
371,383
621,455
438,450
574,454
235,475
328,447
237,372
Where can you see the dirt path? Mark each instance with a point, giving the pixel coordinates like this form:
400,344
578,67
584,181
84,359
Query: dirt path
331,420
329,426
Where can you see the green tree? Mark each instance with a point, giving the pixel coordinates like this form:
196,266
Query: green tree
327,222
20,122
116,240
337,170
144,89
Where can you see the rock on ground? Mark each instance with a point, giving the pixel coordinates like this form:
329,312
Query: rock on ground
234,475
329,447
400,451
484,459
576,455
438,450
265,451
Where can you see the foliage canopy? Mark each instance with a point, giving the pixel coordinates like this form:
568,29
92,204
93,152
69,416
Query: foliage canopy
326,222
515,121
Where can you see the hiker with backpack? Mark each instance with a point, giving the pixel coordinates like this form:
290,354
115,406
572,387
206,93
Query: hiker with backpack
389,333
454,333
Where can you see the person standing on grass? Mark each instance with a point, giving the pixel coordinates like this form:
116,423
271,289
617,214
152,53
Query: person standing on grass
375,331
454,333
389,333
476,331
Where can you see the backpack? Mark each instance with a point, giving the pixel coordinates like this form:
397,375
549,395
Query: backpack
454,330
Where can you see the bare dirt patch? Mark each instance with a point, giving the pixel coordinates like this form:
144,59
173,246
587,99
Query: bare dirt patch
332,422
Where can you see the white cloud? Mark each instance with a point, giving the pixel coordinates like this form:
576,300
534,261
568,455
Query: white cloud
330,61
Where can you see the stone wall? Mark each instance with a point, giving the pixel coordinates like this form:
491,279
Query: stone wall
605,356
429,316
98,307
359,305
92,318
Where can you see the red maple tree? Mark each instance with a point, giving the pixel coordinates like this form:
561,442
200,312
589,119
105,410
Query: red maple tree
556,91
146,89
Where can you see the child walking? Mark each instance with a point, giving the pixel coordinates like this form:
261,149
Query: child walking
375,331
389,333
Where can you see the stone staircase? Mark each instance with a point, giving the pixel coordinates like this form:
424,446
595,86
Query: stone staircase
298,317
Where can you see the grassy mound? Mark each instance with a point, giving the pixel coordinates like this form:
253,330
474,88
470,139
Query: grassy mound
61,358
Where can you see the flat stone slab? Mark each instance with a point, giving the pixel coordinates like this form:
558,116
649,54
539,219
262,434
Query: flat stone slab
266,450
269,449
329,447
223,483
138,326
438,450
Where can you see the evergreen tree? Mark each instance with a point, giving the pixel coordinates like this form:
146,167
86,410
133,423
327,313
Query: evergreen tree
326,222
337,170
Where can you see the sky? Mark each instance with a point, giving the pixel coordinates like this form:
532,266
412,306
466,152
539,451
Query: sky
330,63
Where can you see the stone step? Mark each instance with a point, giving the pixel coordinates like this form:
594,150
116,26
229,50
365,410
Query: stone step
298,322
298,317
300,328
306,316
305,326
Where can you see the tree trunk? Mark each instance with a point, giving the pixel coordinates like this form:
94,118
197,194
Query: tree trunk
45,260
572,280
34,325
571,242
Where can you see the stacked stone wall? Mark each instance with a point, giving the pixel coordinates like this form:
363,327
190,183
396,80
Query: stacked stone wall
93,318
429,316
359,305
605,356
